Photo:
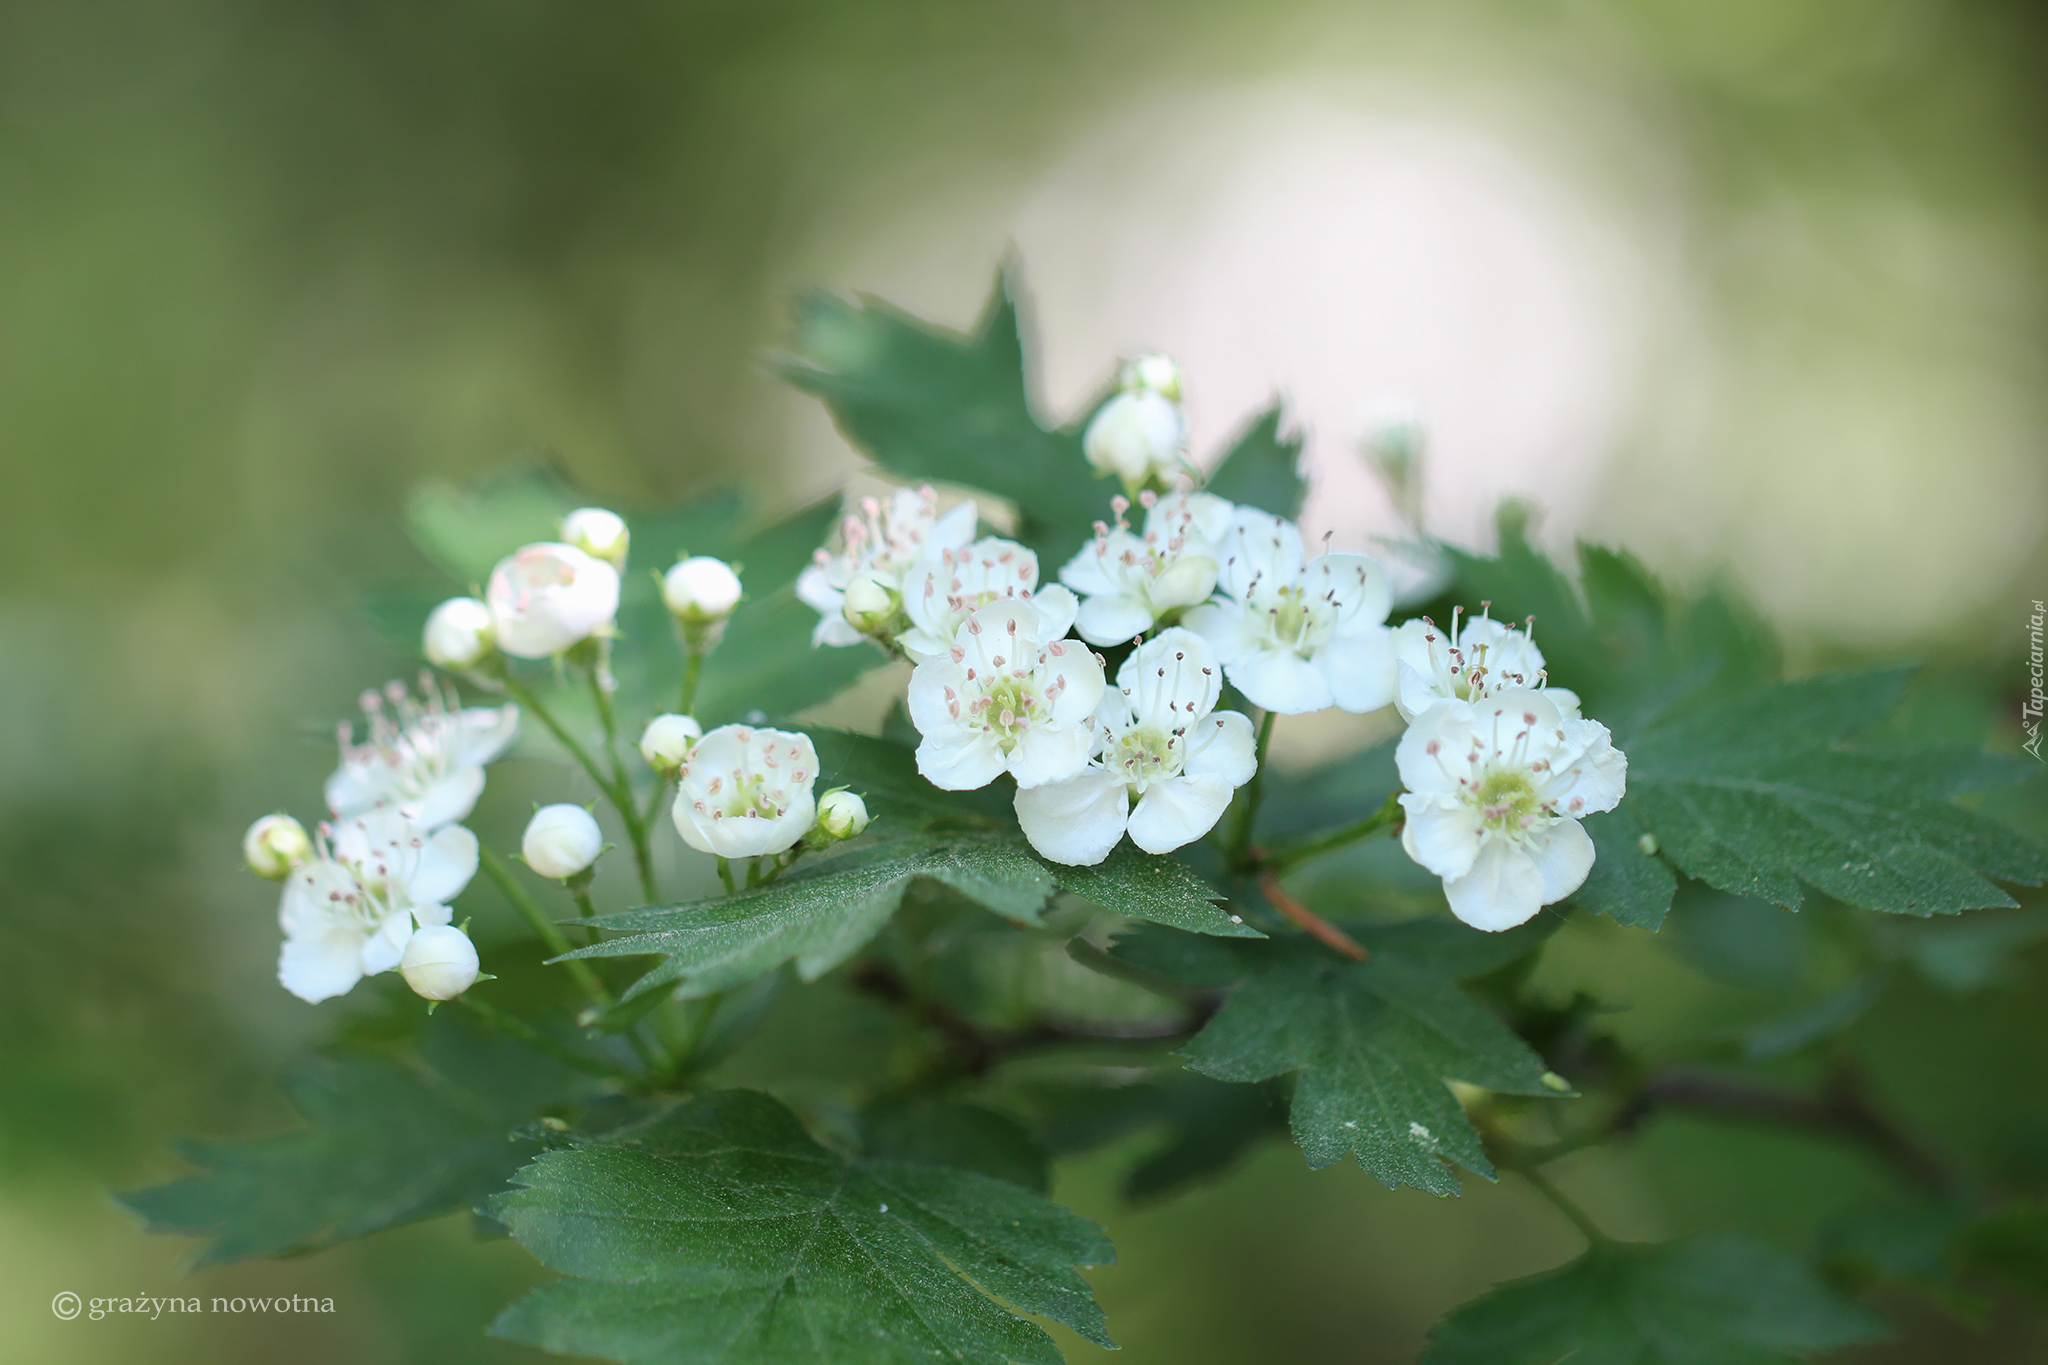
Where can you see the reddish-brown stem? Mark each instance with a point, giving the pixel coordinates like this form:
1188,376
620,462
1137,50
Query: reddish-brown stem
1321,929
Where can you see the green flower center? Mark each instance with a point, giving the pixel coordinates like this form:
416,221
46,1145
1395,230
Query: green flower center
1507,799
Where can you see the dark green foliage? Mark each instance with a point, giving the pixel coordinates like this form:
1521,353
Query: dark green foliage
723,1233
967,1137
1262,468
1709,1301
391,1138
1162,890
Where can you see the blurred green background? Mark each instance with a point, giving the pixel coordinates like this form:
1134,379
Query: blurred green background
265,268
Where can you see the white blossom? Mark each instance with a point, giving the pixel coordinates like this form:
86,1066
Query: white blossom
1009,695
1496,790
879,542
1129,580
1137,435
440,962
667,741
275,845
746,790
1296,636
458,634
1475,658
701,590
546,597
947,586
350,911
598,533
561,840
842,814
1167,765
423,756
1156,372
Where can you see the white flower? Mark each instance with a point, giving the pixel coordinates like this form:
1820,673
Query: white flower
1128,581
880,541
458,634
546,597
1155,372
1136,435
1477,657
1008,695
423,756
598,533
667,741
842,814
350,912
948,585
440,962
1496,790
1168,765
746,790
700,590
275,845
561,841
1298,637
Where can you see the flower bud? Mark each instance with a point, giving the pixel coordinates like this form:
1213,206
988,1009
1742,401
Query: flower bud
872,604
458,634
701,590
439,962
842,814
561,841
275,845
1134,435
667,741
546,597
597,533
1155,372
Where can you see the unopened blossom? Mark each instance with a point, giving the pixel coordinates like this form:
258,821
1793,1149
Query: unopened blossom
275,845
1008,695
667,741
546,597
1472,660
459,634
842,814
440,962
1156,372
1298,635
745,790
701,590
561,840
598,533
1129,579
949,585
351,910
1167,765
879,541
1496,790
1138,435
423,755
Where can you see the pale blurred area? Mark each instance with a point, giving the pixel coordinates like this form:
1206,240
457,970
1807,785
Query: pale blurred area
1751,288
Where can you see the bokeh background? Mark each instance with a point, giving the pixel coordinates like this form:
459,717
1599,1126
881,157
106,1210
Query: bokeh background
1754,289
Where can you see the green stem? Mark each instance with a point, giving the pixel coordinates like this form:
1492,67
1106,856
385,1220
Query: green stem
1238,849
523,694
622,787
550,933
725,875
1387,815
693,669
1580,1219
517,1028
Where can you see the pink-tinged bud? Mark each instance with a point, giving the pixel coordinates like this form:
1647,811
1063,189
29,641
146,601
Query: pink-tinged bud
545,598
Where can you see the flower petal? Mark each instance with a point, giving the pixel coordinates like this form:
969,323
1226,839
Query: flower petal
1279,680
1072,668
321,965
1564,860
1178,811
1356,583
1056,610
486,731
446,864
1112,619
1503,889
1228,628
1076,822
447,800
1260,548
1433,753
1442,837
1359,667
957,759
1050,753
1222,745
384,948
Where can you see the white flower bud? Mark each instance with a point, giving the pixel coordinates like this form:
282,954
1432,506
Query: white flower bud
597,533
458,634
842,814
275,845
1155,372
871,604
701,590
667,741
561,841
1134,435
546,597
440,962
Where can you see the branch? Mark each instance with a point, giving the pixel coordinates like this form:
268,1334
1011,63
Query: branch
1328,934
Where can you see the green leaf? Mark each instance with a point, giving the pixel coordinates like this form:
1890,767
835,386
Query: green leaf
466,531
1262,468
1628,884
1707,1301
819,915
1145,886
390,1139
884,773
2012,1244
721,1232
1373,1042
927,403
967,1137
